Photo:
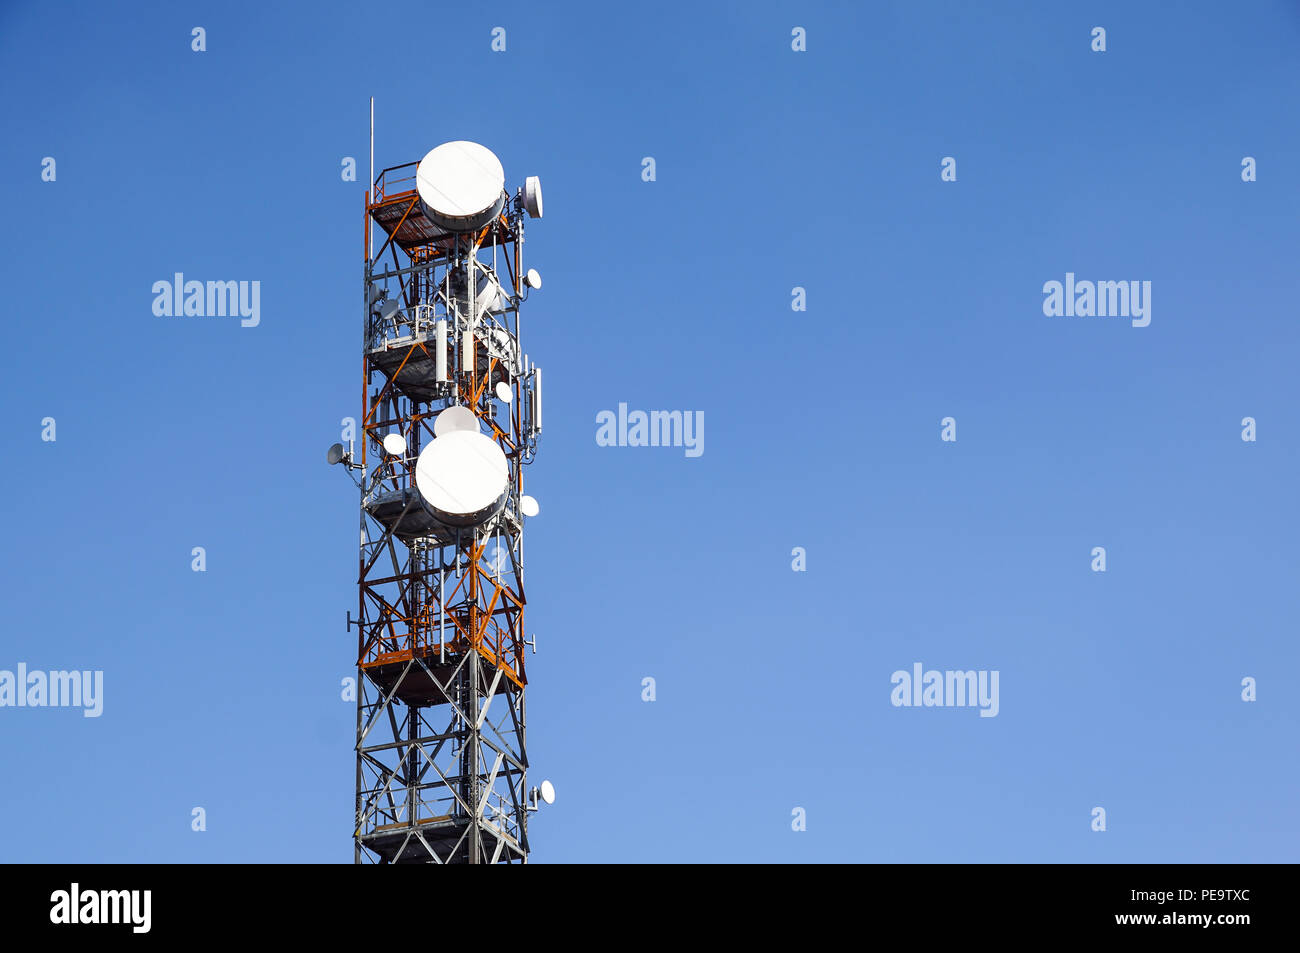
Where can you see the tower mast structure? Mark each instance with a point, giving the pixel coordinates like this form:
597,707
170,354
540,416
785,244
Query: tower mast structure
452,413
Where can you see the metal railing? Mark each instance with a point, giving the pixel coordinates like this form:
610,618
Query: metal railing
392,181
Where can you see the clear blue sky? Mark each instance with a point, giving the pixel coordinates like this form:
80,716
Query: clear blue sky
775,169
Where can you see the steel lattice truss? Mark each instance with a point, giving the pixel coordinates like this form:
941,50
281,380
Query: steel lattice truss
441,755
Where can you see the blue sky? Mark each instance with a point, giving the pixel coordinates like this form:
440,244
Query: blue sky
775,169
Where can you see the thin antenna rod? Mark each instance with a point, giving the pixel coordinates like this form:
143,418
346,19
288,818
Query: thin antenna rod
370,249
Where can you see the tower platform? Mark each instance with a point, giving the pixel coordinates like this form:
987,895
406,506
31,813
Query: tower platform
417,689
396,209
392,843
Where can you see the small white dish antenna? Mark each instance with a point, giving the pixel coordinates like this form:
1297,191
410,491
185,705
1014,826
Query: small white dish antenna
533,196
533,279
453,419
504,392
335,454
529,506
547,791
395,444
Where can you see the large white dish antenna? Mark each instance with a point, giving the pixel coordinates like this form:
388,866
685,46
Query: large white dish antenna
461,185
453,419
489,296
395,444
498,343
463,478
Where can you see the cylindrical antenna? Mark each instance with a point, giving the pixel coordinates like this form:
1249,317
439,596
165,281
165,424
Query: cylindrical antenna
467,351
440,351
537,400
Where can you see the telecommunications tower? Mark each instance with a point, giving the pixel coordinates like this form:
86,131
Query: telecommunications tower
453,409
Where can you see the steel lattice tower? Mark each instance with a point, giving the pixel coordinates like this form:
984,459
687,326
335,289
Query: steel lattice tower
442,759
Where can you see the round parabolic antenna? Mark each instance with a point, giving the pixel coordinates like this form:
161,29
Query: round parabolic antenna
504,393
548,792
462,477
453,419
335,454
533,196
488,296
461,185
528,505
395,444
